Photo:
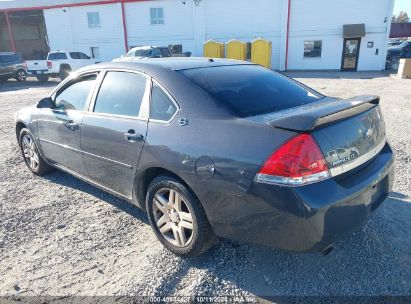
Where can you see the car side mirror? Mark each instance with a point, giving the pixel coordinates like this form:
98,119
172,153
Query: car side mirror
46,103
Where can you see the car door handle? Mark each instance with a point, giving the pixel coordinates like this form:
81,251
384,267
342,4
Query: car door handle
132,136
72,125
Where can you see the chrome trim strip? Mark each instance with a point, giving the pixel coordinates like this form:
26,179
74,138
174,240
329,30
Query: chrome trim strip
88,153
290,181
60,145
358,161
93,183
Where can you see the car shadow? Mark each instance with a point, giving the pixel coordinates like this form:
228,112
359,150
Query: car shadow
13,85
64,179
374,261
338,74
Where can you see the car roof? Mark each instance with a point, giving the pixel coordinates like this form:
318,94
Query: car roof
169,63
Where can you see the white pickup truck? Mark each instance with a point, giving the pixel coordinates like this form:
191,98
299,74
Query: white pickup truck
59,64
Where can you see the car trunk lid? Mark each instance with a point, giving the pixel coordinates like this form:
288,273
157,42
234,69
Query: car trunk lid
349,132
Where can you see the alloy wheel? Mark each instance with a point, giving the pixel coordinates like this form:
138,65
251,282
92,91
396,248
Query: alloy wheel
173,217
21,75
30,152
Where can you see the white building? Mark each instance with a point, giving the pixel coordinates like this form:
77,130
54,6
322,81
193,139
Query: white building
305,34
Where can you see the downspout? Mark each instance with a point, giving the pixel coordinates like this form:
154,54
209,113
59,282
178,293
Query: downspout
12,45
287,35
123,17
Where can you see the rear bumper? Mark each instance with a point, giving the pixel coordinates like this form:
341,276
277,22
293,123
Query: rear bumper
311,217
37,72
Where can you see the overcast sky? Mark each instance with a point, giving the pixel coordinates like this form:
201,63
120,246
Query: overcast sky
402,5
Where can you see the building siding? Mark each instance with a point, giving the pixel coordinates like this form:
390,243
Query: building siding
191,25
324,20
177,27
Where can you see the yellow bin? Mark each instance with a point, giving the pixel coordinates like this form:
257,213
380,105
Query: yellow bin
214,49
261,50
236,50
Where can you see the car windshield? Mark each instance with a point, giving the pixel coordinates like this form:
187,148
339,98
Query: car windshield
404,44
251,89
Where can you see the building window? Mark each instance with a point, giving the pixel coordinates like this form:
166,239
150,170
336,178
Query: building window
157,15
93,19
312,48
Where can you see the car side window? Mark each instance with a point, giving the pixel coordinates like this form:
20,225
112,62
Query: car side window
121,93
162,108
83,56
74,96
155,53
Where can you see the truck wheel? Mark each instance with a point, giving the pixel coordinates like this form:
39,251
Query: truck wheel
64,72
43,78
21,75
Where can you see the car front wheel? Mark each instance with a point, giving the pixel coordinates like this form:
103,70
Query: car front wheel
21,75
177,218
31,154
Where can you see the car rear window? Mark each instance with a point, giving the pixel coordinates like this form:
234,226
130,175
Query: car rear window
165,52
251,89
10,58
57,56
78,55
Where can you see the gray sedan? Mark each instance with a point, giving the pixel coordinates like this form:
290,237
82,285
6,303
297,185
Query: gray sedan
216,148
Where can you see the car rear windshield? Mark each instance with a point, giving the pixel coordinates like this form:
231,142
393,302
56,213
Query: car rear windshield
251,89
9,58
57,56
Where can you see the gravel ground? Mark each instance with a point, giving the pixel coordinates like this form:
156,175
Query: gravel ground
61,237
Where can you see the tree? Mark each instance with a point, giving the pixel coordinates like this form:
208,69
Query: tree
401,17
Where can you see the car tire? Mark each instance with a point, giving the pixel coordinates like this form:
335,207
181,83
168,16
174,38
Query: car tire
42,78
64,72
21,75
31,155
171,223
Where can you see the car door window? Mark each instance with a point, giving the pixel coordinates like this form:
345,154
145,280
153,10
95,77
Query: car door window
83,56
121,93
162,108
74,96
155,53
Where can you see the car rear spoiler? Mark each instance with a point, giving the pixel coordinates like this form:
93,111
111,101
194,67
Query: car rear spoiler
308,118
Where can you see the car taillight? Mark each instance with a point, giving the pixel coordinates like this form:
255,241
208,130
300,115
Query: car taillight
299,161
49,64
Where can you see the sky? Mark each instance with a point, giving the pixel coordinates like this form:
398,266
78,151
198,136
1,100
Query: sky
402,5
